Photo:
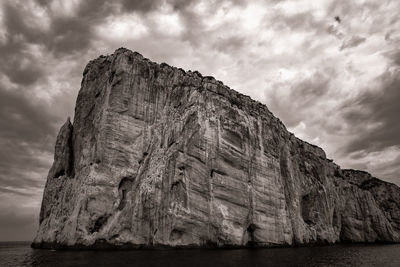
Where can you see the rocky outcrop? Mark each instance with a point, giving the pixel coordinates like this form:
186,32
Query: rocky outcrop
157,156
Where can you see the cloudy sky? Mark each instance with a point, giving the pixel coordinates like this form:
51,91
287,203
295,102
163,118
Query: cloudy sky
328,69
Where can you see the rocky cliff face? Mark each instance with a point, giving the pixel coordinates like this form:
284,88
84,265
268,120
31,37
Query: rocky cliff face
157,156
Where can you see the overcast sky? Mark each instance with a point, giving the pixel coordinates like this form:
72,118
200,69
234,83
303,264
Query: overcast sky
328,69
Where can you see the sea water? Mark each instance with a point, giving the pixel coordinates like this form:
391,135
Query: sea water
20,254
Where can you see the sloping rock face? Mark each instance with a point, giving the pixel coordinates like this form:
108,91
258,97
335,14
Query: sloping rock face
157,156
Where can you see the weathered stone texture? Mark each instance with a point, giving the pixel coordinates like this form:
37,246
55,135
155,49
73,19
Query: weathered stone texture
159,156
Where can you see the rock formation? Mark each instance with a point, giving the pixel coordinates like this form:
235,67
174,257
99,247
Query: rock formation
157,156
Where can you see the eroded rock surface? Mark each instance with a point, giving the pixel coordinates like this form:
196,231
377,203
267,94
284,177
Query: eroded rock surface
157,156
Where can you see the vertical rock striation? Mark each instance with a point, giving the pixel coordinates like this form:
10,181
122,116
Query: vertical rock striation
157,156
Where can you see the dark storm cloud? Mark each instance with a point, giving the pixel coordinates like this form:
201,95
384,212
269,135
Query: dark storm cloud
348,10
65,35
151,5
195,30
16,26
22,166
12,191
394,56
333,30
74,34
22,118
353,42
302,96
303,21
312,88
375,114
22,74
17,63
229,44
27,131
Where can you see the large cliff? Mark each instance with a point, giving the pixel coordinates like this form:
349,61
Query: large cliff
157,156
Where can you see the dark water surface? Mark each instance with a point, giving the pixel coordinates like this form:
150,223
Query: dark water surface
20,254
